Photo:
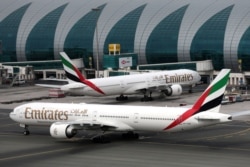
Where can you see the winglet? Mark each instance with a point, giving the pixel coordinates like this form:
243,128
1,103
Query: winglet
210,100
74,75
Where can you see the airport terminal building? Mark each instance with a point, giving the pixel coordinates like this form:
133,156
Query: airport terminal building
159,31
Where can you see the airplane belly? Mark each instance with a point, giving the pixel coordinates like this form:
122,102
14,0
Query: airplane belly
91,92
186,125
37,122
108,91
151,125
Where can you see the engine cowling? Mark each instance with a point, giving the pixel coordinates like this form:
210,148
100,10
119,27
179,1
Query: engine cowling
62,131
173,90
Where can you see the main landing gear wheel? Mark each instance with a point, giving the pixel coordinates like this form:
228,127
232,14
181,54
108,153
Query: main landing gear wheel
121,98
147,97
130,135
190,90
101,139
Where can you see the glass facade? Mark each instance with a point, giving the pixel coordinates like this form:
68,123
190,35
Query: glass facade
123,32
79,41
162,43
8,34
244,51
188,65
40,42
208,42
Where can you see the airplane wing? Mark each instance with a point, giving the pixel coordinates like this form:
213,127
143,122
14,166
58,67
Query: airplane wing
139,88
54,79
169,90
117,126
156,87
104,125
67,86
52,83
136,89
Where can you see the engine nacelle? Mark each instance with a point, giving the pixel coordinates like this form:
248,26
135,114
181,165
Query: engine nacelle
173,90
62,131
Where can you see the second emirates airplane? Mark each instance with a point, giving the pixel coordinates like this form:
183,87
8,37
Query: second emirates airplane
66,119
168,82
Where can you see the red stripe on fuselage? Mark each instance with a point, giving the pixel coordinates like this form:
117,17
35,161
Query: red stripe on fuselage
189,112
87,82
93,86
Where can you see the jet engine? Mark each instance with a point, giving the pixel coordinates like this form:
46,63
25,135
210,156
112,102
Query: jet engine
62,131
173,90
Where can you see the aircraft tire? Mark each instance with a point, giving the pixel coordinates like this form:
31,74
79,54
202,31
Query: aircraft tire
26,132
101,139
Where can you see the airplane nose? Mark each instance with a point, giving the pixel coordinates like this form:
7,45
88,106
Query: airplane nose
198,76
12,116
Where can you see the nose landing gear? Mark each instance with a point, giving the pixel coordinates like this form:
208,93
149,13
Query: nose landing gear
26,130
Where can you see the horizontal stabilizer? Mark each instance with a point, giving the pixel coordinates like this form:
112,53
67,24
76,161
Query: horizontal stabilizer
49,85
74,86
208,118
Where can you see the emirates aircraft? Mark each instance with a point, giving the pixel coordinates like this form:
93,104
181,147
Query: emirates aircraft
167,82
66,119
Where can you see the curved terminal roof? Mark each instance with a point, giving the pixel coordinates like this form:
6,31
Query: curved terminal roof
160,31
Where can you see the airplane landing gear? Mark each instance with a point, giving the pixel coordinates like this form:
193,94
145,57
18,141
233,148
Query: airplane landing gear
130,135
147,97
121,98
190,90
26,131
101,139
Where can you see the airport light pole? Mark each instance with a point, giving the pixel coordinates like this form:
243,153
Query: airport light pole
97,43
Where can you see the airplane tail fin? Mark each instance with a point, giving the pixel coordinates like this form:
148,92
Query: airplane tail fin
211,98
71,71
74,75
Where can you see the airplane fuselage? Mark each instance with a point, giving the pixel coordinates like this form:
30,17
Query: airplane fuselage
124,118
132,84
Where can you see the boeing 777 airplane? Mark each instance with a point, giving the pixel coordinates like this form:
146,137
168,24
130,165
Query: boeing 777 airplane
167,82
66,119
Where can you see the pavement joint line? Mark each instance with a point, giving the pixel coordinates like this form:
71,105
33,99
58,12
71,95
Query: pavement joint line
35,154
9,124
198,146
4,118
223,135
23,100
242,134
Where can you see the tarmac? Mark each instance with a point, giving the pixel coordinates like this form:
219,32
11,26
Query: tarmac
223,145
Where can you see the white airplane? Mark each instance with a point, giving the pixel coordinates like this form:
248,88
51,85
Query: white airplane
167,82
66,119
